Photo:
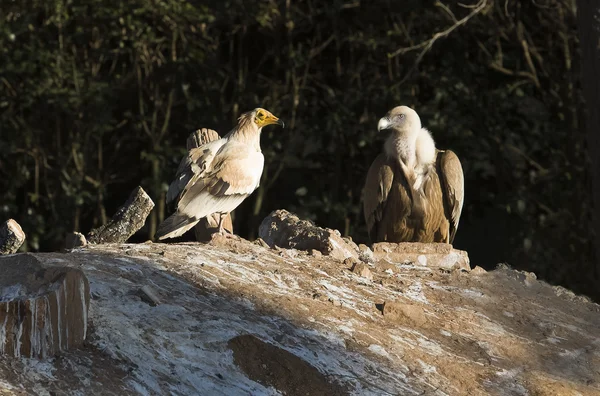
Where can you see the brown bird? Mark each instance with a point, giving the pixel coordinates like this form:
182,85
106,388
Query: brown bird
216,177
413,192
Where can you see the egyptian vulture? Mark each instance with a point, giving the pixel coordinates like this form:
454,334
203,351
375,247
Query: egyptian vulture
216,177
413,192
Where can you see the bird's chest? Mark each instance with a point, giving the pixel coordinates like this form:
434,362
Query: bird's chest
418,213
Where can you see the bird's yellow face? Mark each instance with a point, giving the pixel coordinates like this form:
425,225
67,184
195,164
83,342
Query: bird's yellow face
263,118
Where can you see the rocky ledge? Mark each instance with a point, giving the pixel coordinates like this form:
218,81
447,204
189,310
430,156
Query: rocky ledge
234,317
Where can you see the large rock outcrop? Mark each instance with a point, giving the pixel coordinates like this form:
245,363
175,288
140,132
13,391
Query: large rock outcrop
237,318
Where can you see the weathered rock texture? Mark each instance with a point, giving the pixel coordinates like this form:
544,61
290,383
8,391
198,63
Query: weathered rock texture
127,221
230,310
11,237
285,230
43,308
209,224
434,255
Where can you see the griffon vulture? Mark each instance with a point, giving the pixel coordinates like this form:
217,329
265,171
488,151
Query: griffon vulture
216,177
413,192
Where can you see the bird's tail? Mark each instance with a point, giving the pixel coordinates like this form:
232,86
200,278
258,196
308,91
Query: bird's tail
175,225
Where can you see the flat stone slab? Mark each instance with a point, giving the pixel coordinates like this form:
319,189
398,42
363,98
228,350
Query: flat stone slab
43,308
435,255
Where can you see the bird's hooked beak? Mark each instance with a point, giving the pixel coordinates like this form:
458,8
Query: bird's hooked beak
270,119
384,123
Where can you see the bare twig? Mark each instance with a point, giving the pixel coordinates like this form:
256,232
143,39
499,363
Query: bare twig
426,45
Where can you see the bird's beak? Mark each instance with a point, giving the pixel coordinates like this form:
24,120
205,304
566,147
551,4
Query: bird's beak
384,123
271,119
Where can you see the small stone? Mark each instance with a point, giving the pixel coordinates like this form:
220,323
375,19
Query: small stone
315,253
422,260
478,271
11,237
149,295
404,313
350,262
336,302
361,269
365,254
75,240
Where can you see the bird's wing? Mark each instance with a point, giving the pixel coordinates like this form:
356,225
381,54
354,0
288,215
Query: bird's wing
453,187
233,174
192,167
375,194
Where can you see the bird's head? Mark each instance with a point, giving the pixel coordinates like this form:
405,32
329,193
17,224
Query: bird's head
402,119
262,117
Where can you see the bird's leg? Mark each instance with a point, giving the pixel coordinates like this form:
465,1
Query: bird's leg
222,230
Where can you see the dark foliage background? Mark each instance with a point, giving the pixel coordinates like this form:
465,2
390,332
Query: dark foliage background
98,96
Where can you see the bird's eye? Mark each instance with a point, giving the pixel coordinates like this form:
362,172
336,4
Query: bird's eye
400,117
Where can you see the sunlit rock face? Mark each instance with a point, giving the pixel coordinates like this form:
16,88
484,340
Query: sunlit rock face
43,308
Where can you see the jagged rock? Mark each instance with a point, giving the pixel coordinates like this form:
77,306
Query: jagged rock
11,237
365,254
478,271
127,221
361,269
43,308
285,230
75,240
433,255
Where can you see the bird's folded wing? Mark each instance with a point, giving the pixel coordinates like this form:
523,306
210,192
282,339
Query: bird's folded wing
192,167
235,170
453,187
375,194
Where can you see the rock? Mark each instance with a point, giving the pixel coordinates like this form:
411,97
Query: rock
361,269
11,237
127,221
149,295
478,271
285,230
365,254
350,242
75,240
405,313
43,308
315,253
433,255
459,334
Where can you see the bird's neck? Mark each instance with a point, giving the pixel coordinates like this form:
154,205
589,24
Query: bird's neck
246,134
402,147
415,151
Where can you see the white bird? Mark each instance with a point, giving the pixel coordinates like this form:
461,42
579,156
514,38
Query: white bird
218,176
